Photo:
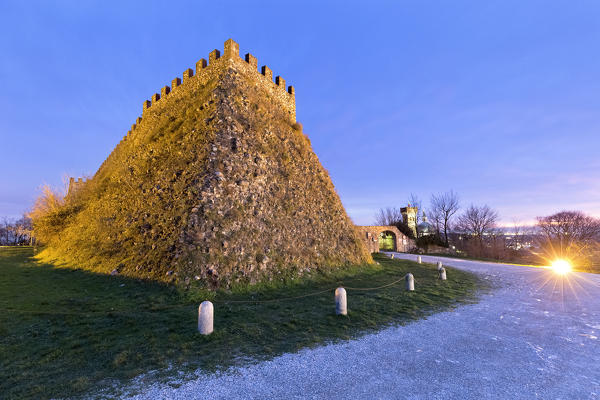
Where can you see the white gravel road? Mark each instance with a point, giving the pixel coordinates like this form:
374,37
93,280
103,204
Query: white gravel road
535,336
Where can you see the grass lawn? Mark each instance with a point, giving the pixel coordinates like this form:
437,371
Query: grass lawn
65,332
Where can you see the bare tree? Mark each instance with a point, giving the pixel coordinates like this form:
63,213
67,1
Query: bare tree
45,214
388,216
23,229
478,221
443,206
566,230
50,200
5,231
435,218
15,232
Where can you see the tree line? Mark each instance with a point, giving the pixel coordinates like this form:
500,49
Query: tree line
474,231
43,214
15,232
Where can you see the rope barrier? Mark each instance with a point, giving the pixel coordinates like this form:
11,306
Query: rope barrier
376,288
273,300
67,312
168,307
36,312
194,304
309,294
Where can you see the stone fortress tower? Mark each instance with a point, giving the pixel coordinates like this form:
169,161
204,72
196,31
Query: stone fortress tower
216,181
409,215
75,185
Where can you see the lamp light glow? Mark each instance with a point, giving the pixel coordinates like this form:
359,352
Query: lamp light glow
561,267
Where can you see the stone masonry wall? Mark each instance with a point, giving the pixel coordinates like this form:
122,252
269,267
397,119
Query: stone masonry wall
215,181
206,71
370,237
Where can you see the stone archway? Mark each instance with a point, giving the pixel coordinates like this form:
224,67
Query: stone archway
387,241
394,238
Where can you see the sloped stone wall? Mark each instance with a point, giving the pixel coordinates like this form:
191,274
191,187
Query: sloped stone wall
217,182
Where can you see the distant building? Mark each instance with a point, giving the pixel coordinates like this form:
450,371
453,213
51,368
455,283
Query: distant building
425,228
409,216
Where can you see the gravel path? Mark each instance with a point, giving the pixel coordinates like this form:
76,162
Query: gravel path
533,337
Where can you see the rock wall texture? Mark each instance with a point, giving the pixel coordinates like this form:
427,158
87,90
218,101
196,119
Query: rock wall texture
216,181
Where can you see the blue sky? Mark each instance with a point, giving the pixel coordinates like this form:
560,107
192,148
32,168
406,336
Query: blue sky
497,100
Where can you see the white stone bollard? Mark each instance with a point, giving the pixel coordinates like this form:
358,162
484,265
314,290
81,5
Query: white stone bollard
341,305
419,259
439,265
205,318
410,282
442,273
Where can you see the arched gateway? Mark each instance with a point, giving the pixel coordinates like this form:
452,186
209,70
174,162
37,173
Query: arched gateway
387,241
385,238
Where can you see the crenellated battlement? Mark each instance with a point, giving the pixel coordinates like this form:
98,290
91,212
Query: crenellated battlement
214,56
200,65
231,51
75,185
207,69
267,73
187,74
250,59
175,82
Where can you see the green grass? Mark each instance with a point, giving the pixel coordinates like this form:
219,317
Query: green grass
65,332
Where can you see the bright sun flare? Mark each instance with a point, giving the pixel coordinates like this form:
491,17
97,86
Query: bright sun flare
561,267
